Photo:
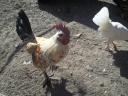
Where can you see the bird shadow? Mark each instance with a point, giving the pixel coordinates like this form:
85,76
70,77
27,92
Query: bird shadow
11,56
121,61
59,89
81,11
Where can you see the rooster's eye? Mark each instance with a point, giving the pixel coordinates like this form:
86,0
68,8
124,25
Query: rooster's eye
60,35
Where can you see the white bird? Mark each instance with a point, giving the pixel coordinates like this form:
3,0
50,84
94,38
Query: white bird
109,29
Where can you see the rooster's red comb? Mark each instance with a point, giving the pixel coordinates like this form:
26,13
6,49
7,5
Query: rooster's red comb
61,27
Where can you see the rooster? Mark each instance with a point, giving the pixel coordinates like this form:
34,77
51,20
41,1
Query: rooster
109,29
46,52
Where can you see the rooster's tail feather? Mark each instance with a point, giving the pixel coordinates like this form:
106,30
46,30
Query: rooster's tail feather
23,27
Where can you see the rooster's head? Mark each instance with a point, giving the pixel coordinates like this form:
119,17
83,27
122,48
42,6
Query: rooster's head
63,33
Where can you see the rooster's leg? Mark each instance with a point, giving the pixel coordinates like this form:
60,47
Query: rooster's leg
114,46
107,48
47,81
53,67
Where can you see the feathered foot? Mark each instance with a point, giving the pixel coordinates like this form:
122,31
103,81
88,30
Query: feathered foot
107,48
114,46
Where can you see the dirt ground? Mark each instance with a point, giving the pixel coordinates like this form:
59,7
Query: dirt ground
88,70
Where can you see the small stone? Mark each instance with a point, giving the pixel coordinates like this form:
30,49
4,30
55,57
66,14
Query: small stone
71,74
102,84
104,70
89,68
27,62
77,35
105,91
17,6
89,76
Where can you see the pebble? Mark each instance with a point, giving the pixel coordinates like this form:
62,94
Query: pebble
102,84
104,70
27,62
77,35
89,68
105,91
